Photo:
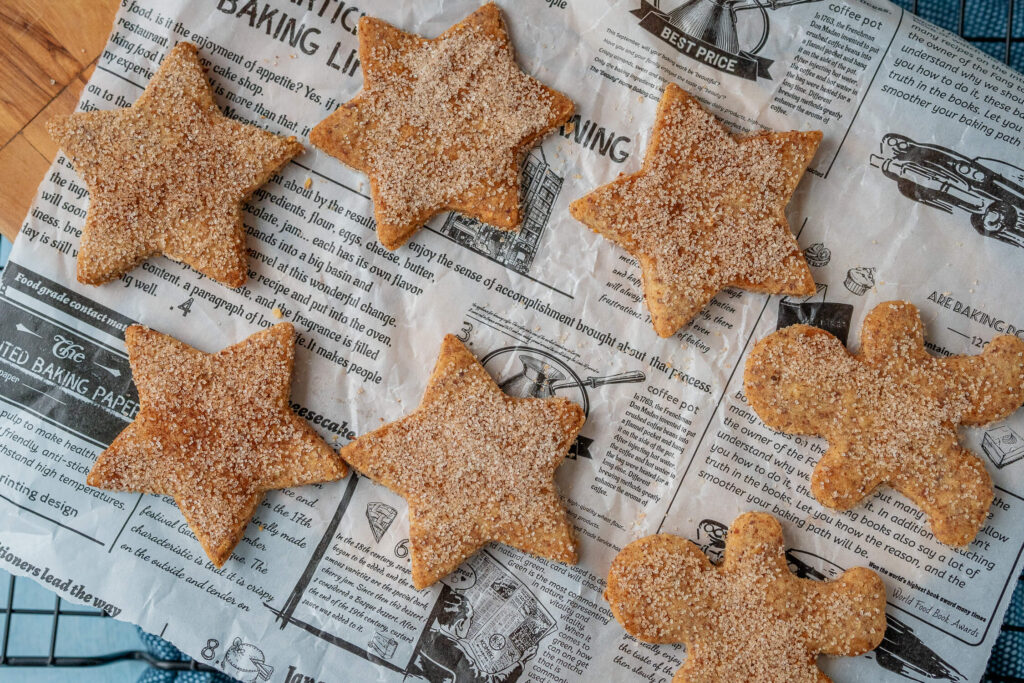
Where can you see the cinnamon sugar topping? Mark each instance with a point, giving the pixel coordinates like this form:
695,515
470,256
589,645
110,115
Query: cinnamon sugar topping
441,124
475,466
890,413
706,211
215,431
749,619
168,175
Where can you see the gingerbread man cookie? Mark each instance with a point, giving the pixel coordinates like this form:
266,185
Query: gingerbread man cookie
890,413
750,618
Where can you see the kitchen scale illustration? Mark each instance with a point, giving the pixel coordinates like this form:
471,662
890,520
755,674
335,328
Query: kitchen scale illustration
529,372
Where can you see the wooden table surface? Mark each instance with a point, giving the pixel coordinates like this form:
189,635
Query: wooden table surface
48,49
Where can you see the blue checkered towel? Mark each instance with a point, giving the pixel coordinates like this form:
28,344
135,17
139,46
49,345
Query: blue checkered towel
161,649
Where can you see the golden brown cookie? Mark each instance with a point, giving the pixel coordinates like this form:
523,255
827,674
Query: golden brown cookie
705,211
475,466
890,413
215,431
750,618
441,124
168,175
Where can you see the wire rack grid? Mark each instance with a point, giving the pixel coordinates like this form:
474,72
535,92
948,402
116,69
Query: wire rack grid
59,613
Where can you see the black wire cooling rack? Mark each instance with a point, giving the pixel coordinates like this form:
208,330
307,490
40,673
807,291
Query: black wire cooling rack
1005,45
1009,39
52,658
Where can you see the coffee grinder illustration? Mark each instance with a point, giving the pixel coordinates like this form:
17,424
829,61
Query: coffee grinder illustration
514,250
714,32
714,21
540,374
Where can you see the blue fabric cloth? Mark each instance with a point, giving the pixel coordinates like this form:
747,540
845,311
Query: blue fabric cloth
160,648
982,19
1007,661
5,250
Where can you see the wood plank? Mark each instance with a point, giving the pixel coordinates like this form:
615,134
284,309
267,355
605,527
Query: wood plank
43,47
33,69
22,167
47,52
64,103
79,26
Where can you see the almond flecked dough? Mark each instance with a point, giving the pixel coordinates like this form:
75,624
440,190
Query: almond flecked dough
215,431
890,413
441,124
475,466
705,211
168,175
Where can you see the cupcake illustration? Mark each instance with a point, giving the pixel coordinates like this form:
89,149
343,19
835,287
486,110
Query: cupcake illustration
860,279
818,255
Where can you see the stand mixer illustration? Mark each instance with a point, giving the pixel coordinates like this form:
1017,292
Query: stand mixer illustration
541,374
714,21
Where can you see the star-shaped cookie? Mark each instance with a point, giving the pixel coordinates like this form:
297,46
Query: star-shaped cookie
441,124
475,465
705,211
890,413
215,431
168,175
750,618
